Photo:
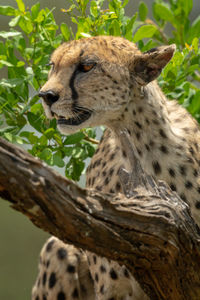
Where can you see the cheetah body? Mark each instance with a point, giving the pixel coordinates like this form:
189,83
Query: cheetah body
118,92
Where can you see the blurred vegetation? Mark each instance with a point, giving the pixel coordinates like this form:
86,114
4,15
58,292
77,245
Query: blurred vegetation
25,52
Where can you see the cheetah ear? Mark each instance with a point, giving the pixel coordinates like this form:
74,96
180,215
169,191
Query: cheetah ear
149,65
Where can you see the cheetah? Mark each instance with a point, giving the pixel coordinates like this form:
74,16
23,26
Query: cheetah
107,81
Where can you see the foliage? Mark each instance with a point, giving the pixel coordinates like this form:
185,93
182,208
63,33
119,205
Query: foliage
25,50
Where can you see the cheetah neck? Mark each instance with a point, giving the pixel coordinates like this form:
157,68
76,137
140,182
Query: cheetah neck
147,120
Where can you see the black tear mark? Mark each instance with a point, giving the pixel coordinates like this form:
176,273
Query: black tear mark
71,84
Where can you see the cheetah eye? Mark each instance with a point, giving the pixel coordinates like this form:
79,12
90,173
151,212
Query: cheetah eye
86,67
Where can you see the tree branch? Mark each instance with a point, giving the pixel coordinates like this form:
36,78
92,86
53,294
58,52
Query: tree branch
151,232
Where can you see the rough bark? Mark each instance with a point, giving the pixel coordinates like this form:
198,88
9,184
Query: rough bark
149,229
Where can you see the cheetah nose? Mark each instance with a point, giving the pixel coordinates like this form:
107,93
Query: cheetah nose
49,96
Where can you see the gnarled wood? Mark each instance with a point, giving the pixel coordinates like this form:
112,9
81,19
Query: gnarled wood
151,232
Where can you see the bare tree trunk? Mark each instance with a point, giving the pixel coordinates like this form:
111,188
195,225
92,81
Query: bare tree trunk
149,229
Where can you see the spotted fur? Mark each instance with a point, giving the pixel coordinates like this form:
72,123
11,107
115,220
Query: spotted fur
118,91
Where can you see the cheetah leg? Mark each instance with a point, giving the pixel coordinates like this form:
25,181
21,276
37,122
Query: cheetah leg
63,273
112,281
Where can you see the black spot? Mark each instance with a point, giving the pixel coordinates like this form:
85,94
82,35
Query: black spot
95,259
49,245
112,156
44,278
102,289
37,298
111,171
126,273
83,289
139,152
188,184
61,296
118,186
195,173
52,280
44,297
96,277
182,170
134,112
113,274
198,189
147,121
138,125
75,293
172,172
156,167
71,268
191,150
38,283
147,147
112,298
156,122
98,188
104,173
61,253
102,269
197,205
48,263
124,153
162,134
183,197
137,135
140,109
151,143
106,181
111,191
173,187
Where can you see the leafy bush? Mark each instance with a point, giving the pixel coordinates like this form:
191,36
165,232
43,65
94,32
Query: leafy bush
34,34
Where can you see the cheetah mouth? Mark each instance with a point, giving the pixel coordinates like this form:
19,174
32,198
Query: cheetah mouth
80,118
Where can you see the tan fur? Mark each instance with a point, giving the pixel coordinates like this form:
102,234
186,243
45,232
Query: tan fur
119,92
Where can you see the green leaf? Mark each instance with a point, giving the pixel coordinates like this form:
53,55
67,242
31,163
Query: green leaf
94,11
57,159
74,138
15,21
30,136
35,10
49,133
65,31
6,63
46,154
129,27
195,44
146,31
21,5
163,11
7,11
195,104
187,6
11,83
34,121
7,34
143,11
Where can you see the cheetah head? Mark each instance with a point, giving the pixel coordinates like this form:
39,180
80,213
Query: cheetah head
91,80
